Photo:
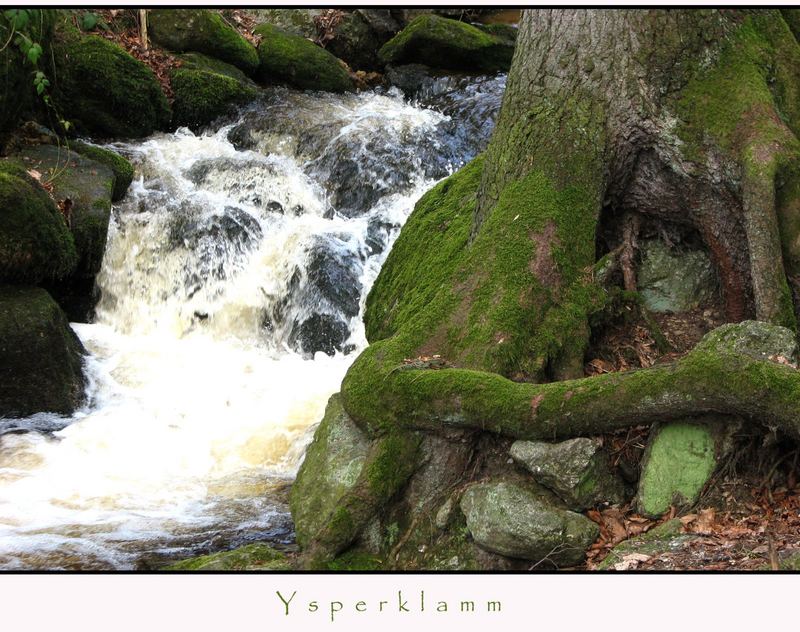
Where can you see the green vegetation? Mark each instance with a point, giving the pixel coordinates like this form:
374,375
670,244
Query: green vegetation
292,59
202,31
35,243
206,89
104,90
252,557
445,43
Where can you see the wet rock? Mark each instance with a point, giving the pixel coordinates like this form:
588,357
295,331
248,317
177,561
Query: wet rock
331,467
104,91
35,243
514,521
680,458
670,280
205,89
577,470
40,356
333,276
201,31
357,41
287,58
253,557
119,165
450,44
319,332
296,21
410,78
378,233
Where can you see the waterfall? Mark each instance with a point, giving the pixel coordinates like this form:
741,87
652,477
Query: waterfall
232,294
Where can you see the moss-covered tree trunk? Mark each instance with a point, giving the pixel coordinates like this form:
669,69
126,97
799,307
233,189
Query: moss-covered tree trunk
683,116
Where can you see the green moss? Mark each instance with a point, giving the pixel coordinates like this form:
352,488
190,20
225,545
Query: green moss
437,41
294,60
253,557
356,561
40,356
103,90
35,243
203,31
120,166
681,457
202,96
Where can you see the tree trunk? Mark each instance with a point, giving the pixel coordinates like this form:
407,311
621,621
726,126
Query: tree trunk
681,116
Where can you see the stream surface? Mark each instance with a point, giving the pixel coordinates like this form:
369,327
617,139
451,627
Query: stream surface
233,288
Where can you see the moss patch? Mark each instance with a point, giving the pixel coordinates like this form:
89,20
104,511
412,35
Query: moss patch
445,43
206,89
294,60
35,243
40,356
680,459
253,557
103,90
203,31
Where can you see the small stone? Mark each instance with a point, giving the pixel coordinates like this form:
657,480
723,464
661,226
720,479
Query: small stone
671,280
577,470
515,521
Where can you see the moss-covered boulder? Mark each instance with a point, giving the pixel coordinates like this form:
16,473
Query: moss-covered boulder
515,521
252,557
678,463
88,187
445,43
671,280
102,90
577,470
331,468
17,92
119,165
205,89
85,188
202,31
35,243
287,58
40,356
358,37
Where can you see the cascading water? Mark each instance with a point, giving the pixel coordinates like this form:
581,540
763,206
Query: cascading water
232,288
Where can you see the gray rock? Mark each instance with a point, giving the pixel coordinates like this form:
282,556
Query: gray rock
753,338
514,521
673,281
577,470
331,467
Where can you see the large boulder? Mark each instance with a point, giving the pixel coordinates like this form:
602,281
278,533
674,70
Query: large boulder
445,43
202,31
679,461
17,92
517,522
295,21
119,165
40,356
35,243
331,467
577,470
287,58
359,35
85,188
102,90
671,280
205,89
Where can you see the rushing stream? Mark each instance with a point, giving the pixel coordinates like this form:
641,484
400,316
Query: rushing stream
232,287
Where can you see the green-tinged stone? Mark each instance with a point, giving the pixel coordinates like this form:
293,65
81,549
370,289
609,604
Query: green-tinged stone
253,557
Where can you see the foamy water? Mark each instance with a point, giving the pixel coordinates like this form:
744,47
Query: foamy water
204,386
